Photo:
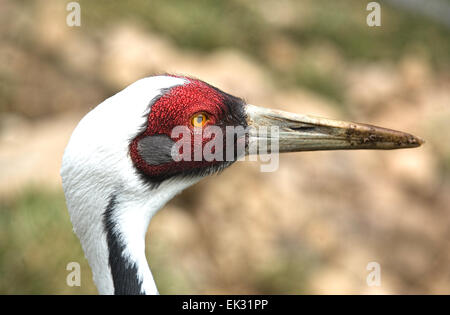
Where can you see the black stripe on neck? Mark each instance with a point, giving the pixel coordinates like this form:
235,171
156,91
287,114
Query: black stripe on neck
124,272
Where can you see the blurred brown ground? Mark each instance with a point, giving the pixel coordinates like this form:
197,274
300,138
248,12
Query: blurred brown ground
320,219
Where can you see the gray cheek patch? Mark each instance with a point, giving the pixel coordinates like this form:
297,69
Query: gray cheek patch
156,150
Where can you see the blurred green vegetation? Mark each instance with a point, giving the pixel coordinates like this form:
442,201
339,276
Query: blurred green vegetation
208,25
36,240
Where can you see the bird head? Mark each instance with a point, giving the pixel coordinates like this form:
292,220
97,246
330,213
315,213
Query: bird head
195,129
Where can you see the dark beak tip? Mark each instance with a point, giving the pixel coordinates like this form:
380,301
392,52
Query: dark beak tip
409,142
420,141
415,141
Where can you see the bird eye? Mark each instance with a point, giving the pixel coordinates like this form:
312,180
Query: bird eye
199,120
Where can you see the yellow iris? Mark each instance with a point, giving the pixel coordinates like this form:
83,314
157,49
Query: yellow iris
199,120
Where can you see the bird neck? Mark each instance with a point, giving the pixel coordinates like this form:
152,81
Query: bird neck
125,224
114,242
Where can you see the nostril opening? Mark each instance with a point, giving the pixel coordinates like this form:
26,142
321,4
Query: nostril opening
302,128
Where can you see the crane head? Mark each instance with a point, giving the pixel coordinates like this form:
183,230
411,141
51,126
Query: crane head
195,129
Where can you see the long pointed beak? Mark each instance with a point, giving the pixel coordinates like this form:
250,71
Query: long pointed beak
308,133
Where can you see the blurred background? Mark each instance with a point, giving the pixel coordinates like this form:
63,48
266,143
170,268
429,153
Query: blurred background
314,225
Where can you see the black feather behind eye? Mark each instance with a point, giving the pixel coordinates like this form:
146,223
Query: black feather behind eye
156,149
